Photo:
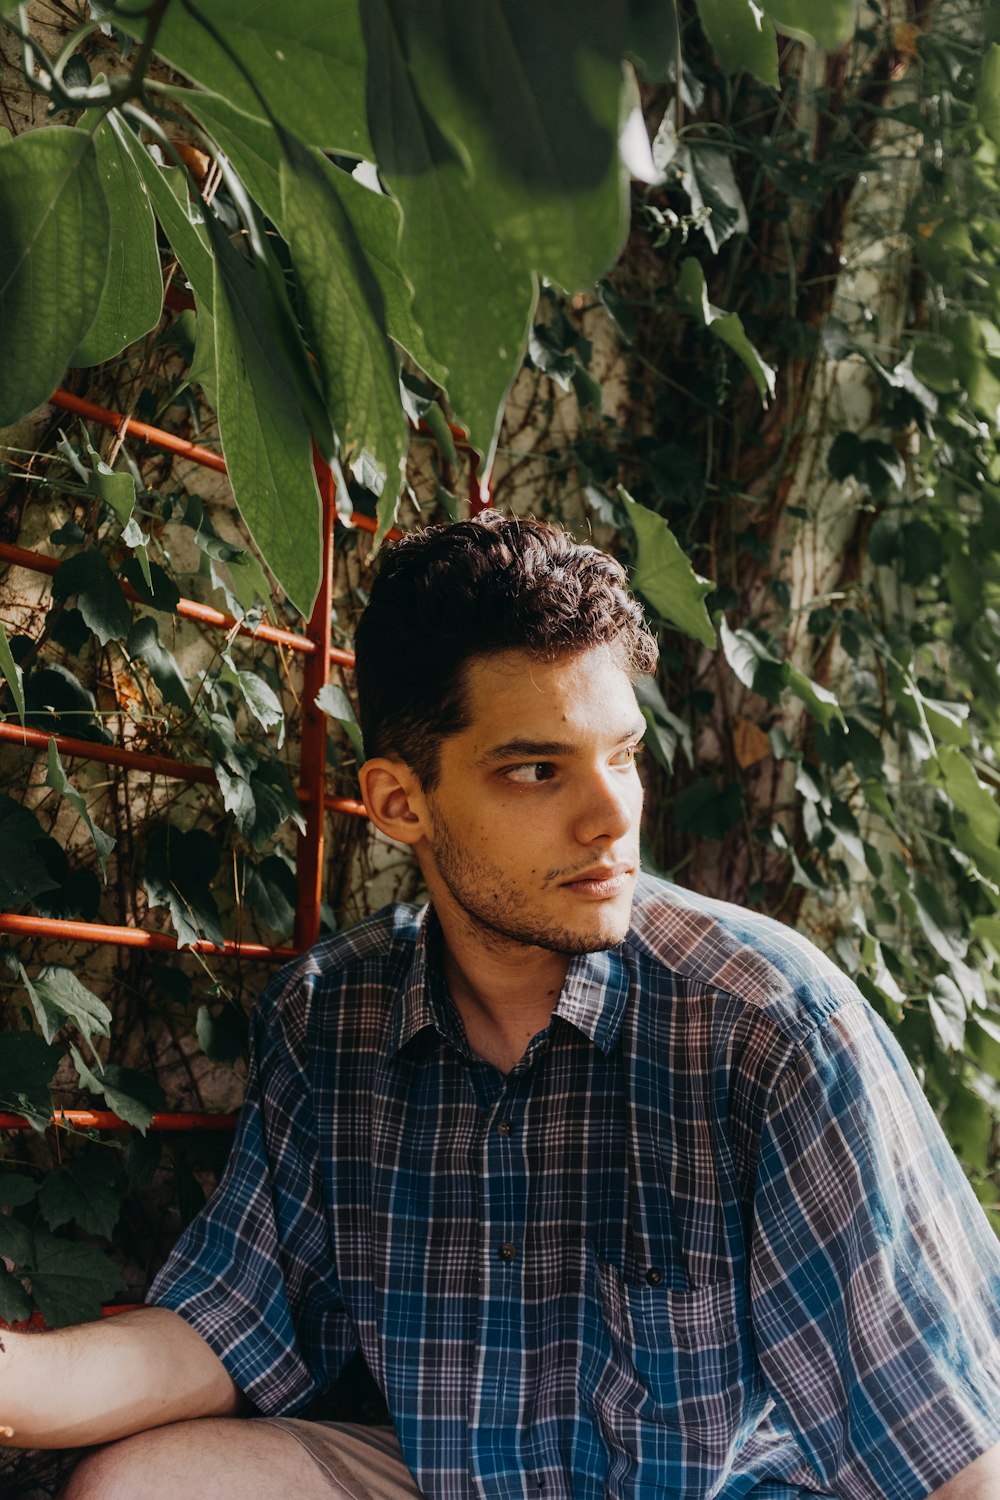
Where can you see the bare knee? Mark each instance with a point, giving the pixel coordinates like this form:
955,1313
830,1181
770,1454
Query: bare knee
102,1475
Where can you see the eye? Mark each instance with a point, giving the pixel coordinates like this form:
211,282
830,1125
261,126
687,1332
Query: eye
531,773
628,754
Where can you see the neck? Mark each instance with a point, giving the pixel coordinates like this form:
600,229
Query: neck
504,990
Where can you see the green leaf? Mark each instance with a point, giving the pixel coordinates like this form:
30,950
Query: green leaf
988,93
16,1190
977,817
309,62
27,1066
57,779
335,702
15,1304
948,1013
130,1095
222,1036
53,254
265,436
144,644
176,874
12,674
876,465
473,296
663,574
762,672
742,38
666,730
69,1280
828,22
260,699
728,327
26,876
273,802
344,314
77,892
132,296
182,225
154,587
57,996
84,1192
142,1158
98,595
269,889
705,809
708,178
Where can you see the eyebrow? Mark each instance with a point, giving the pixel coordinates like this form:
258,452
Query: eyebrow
526,750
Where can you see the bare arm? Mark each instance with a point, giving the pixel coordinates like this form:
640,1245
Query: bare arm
100,1381
980,1481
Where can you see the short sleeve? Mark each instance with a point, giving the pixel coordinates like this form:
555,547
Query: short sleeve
875,1274
254,1272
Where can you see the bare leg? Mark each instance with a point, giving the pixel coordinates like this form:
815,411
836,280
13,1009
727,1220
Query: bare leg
218,1458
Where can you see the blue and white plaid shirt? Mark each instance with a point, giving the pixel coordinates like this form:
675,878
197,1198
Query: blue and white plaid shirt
706,1239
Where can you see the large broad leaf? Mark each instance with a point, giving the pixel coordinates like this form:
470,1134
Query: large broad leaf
344,314
132,298
829,22
57,996
85,1192
307,59
663,574
144,643
27,875
57,779
530,97
708,178
98,594
264,433
176,874
977,820
473,297
53,257
15,1304
167,189
27,1066
726,326
742,36
253,148
988,93
69,1281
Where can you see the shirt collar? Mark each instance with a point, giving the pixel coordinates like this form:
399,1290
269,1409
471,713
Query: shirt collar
592,999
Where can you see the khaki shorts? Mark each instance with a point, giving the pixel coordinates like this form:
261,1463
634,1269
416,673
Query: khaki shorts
362,1463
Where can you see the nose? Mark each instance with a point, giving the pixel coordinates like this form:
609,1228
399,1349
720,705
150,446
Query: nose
610,806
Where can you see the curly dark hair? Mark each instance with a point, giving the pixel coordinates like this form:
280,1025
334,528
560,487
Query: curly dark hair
449,594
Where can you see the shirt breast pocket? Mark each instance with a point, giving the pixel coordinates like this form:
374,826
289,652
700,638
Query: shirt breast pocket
670,1377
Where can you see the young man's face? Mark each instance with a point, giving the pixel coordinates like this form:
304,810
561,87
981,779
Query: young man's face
536,813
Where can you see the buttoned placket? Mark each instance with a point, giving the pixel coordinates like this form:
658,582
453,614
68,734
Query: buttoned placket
498,1463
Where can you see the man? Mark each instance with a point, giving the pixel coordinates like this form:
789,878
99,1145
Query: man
622,1192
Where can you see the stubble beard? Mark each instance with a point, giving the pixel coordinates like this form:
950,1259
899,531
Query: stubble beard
505,917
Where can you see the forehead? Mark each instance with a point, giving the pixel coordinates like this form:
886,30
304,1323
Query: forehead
513,693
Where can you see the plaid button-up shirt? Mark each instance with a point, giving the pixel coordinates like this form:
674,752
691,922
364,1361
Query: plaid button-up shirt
706,1239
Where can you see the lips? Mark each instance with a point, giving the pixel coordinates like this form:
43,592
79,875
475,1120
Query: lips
601,880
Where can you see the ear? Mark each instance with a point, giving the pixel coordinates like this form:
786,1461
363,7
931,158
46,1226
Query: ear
394,799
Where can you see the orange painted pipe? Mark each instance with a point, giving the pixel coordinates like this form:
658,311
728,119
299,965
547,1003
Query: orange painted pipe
131,937
103,1119
113,755
189,609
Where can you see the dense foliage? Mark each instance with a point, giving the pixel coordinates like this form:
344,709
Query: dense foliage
785,395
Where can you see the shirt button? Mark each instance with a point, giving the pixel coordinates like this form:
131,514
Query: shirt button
505,1128
507,1251
654,1276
